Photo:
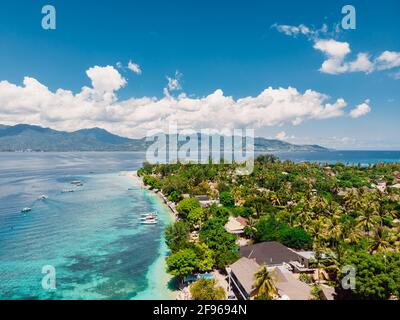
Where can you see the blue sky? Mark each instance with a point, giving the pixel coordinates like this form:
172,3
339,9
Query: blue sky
226,45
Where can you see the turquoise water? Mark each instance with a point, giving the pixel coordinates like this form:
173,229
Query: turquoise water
92,236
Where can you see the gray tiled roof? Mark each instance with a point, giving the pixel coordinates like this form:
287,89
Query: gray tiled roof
272,253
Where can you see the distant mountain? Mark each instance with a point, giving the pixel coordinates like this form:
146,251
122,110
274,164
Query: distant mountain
25,137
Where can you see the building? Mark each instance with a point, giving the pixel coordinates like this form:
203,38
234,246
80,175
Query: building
290,288
271,253
205,202
236,225
241,277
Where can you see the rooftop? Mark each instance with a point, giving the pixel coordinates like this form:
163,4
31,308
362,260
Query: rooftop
272,253
244,270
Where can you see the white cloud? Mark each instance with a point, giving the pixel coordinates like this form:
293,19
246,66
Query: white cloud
292,30
173,83
308,32
337,51
333,48
134,67
361,110
362,64
281,135
34,103
388,60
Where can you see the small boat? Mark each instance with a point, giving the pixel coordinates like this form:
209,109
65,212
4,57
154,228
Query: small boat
149,217
43,197
77,183
67,191
149,221
149,214
25,210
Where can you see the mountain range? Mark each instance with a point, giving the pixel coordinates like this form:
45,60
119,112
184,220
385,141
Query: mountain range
24,137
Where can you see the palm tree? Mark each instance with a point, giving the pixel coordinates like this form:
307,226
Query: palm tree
264,285
368,217
380,242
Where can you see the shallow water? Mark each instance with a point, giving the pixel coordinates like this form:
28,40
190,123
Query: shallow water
92,236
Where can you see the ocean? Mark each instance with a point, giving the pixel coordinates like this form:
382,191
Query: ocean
92,237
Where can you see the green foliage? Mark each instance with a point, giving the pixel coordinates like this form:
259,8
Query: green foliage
214,235
174,196
296,238
182,263
207,289
241,211
315,293
186,205
177,235
269,228
196,216
221,213
152,182
377,275
226,199
205,257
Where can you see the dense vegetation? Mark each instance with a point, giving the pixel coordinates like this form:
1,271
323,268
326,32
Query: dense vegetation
335,210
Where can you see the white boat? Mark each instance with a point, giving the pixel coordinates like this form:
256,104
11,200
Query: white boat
24,210
149,214
149,221
67,191
149,218
43,197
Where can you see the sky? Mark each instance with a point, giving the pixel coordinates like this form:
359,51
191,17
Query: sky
286,69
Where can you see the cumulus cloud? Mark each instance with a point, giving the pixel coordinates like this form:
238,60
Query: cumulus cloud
360,110
281,135
337,52
134,67
388,60
98,105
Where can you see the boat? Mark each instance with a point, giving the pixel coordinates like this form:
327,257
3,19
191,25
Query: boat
149,214
24,210
43,197
149,221
149,217
67,191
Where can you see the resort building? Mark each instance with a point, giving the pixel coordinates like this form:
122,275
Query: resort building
236,225
242,277
271,253
205,201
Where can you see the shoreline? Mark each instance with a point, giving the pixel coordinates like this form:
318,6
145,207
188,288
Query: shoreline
158,279
168,204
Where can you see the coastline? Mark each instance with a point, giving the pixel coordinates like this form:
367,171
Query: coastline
159,281
168,204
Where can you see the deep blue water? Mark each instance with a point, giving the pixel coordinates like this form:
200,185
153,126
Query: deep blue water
92,236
